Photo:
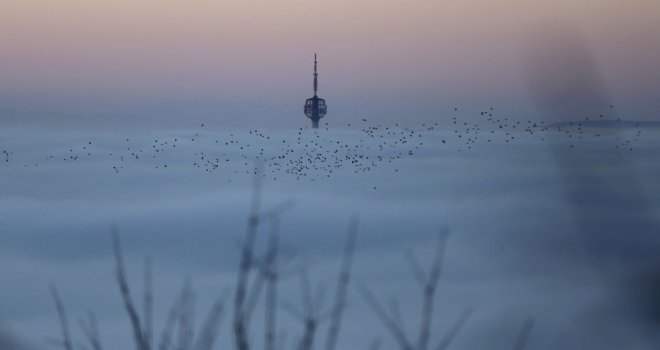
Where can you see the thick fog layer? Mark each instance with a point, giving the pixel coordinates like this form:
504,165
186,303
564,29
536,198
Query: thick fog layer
523,243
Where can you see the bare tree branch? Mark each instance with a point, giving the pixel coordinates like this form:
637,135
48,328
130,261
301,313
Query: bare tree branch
148,301
64,323
375,344
395,310
271,275
170,322
524,334
267,270
342,285
429,292
307,340
239,325
281,340
310,318
186,318
382,314
126,294
453,331
210,327
415,267
319,299
291,309
91,331
306,293
253,299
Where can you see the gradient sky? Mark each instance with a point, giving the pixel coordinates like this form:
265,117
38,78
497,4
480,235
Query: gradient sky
248,62
530,214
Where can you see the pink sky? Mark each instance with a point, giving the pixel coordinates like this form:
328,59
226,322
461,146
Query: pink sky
426,53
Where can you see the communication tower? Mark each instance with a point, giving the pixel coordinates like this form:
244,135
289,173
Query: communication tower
315,107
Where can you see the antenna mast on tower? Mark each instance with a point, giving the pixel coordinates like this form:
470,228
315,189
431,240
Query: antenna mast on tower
316,77
315,107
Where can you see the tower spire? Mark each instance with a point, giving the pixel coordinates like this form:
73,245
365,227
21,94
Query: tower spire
316,82
315,107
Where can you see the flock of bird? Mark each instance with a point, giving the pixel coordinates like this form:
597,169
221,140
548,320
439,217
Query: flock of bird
312,154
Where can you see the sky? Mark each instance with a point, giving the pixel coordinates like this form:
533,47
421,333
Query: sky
148,116
237,64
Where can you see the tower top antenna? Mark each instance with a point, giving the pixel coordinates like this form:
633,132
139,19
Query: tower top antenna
316,83
315,107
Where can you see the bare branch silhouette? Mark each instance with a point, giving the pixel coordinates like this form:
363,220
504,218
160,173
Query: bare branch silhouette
521,341
291,309
186,318
91,331
271,275
148,301
429,292
64,323
415,267
209,331
126,294
342,285
240,295
454,330
170,322
375,344
393,321
395,311
281,340
310,320
389,322
311,316
253,298
306,293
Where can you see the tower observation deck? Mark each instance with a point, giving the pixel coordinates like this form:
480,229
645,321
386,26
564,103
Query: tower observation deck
315,107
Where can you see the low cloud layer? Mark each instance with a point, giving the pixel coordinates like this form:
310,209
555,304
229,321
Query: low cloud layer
516,248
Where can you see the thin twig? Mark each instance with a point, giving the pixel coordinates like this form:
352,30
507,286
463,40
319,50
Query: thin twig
170,322
271,276
395,310
428,292
186,318
211,325
524,334
375,344
454,330
91,331
126,294
239,325
342,285
148,301
253,299
415,267
281,341
64,323
382,314
306,293
291,309
307,340
310,316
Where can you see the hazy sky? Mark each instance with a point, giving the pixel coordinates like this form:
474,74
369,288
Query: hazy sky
525,213
248,62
